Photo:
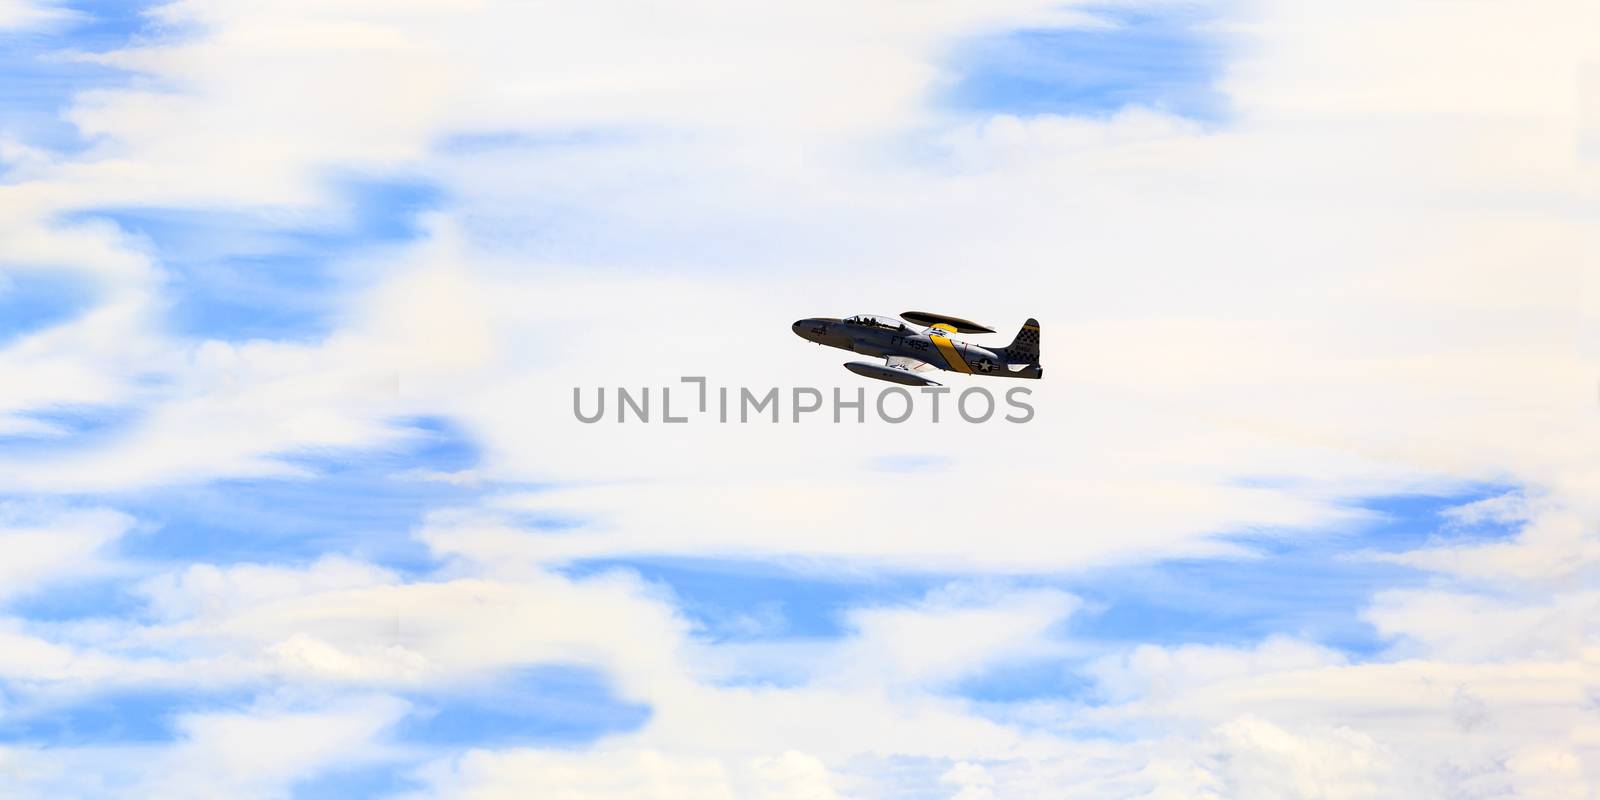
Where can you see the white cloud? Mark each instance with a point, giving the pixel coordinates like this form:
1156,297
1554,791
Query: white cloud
627,774
43,546
1259,760
1148,671
206,590
953,634
269,748
24,14
257,753
1472,627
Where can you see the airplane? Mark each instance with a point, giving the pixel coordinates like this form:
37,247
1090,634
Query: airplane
923,344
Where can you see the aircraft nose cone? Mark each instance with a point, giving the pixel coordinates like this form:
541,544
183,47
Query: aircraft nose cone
796,327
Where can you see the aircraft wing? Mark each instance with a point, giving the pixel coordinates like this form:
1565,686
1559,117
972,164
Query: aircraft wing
907,363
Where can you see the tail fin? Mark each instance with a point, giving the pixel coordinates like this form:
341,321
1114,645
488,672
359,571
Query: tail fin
1025,348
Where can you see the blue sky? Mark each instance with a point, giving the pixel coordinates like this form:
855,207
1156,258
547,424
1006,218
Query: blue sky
32,301
307,417
241,276
1165,59
41,79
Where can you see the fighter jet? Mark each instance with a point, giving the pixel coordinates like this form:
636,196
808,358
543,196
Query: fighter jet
917,341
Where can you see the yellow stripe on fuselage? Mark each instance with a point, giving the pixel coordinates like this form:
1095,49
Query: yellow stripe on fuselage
951,355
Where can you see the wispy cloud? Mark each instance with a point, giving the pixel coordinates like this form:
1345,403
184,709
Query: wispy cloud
294,299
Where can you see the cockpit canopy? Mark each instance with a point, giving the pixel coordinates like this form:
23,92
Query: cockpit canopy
875,321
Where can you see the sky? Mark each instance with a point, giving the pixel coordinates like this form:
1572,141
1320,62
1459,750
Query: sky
295,298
